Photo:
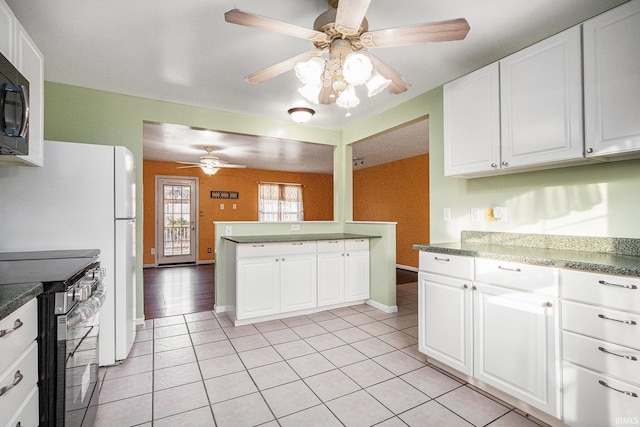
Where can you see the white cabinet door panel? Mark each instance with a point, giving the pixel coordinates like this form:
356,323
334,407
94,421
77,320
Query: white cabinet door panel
259,287
330,278
356,276
612,81
298,279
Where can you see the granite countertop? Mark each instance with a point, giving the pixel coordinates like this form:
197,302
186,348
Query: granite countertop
12,297
275,238
607,255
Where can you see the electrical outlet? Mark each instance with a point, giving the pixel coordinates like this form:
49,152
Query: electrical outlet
446,214
500,213
221,206
228,230
208,250
295,227
234,206
153,251
475,214
488,215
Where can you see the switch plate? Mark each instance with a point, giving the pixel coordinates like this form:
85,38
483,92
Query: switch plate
500,213
234,206
488,215
446,214
208,250
228,231
153,251
221,206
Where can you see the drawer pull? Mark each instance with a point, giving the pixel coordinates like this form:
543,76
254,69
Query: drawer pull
298,244
441,259
465,286
16,380
16,325
628,393
517,270
624,356
257,246
626,322
605,283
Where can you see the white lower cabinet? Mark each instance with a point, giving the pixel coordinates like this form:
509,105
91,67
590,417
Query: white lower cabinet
274,278
343,271
497,322
278,278
601,349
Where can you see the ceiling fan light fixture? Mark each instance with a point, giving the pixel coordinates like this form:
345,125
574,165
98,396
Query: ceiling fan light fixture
310,93
310,72
376,84
209,169
301,114
357,68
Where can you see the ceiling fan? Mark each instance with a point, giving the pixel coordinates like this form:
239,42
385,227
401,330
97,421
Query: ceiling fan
209,163
341,58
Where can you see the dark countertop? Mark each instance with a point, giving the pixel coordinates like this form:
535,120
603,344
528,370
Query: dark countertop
602,262
12,297
276,238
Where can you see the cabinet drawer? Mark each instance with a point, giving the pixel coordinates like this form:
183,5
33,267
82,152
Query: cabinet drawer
325,246
524,277
594,400
27,365
615,360
290,248
618,327
23,324
257,249
613,291
356,245
27,414
447,265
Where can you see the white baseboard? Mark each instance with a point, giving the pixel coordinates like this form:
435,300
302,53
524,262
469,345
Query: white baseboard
140,321
385,308
406,267
222,308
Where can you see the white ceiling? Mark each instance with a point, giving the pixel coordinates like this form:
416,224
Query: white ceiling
183,51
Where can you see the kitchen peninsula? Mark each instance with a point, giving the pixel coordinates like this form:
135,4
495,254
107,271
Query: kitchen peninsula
547,323
275,276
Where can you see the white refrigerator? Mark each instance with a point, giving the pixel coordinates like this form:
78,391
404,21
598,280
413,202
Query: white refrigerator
82,198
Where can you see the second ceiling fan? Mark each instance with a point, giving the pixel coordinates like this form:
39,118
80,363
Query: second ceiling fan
343,33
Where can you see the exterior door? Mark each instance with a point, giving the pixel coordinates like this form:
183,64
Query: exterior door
176,220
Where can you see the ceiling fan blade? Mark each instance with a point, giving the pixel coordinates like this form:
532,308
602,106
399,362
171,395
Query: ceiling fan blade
230,166
188,163
350,15
325,95
398,83
455,29
281,67
237,16
190,166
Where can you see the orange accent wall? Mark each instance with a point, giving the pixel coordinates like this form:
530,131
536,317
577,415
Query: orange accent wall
317,196
399,192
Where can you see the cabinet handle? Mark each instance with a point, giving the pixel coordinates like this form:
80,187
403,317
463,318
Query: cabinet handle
297,243
605,283
628,393
517,270
548,304
589,150
505,163
474,288
258,246
626,322
441,259
16,380
494,165
277,259
624,356
465,286
16,325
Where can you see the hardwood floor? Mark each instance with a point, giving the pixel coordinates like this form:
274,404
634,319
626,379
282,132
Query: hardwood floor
169,291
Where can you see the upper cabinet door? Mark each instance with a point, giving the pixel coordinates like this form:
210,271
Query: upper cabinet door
472,123
7,31
541,102
612,81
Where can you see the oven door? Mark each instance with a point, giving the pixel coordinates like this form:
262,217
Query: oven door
78,360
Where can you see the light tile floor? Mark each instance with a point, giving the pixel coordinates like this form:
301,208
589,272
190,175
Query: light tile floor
354,366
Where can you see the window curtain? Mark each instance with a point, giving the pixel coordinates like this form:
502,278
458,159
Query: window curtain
280,202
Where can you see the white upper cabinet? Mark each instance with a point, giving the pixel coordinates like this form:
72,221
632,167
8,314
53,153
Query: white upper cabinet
541,102
612,82
19,48
472,123
521,113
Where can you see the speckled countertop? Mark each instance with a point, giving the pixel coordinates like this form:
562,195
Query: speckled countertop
277,238
598,254
12,297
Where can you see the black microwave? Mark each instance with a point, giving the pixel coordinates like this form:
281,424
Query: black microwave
14,110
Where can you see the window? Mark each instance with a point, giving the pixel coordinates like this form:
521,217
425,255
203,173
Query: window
280,202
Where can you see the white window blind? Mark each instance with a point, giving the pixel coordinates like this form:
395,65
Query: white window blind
280,202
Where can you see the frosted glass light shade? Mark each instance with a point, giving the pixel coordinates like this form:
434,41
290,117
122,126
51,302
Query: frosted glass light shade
209,169
311,93
310,72
301,114
376,84
348,98
357,69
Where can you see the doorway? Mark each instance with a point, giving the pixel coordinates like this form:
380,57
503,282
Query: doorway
176,220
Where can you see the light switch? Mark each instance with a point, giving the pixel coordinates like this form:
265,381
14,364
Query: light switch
222,206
